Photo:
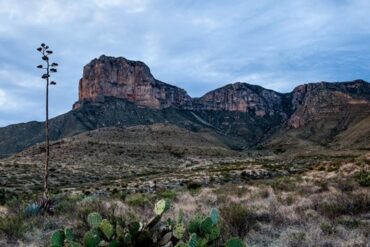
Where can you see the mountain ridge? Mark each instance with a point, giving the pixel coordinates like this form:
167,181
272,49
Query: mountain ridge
117,92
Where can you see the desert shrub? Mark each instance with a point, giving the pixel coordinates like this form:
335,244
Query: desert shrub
297,239
346,185
238,218
332,209
283,183
167,194
264,193
352,204
324,185
363,178
12,226
349,223
193,186
138,200
359,203
327,228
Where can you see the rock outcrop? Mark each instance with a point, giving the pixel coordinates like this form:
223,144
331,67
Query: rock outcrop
133,81
242,97
126,79
314,101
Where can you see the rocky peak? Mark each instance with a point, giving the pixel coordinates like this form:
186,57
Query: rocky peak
242,97
131,80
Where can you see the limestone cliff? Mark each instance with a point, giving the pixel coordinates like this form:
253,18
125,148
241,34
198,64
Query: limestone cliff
130,80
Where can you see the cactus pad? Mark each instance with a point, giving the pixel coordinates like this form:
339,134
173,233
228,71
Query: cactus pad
234,242
206,225
94,220
194,224
57,239
179,231
91,238
214,234
107,229
68,234
214,216
193,240
161,206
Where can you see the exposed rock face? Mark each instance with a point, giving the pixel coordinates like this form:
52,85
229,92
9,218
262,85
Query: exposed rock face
316,101
132,80
242,97
125,79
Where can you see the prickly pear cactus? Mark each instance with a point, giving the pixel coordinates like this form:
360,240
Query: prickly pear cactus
193,240
94,219
106,228
202,242
214,234
194,224
206,225
120,232
214,216
180,216
161,206
91,238
68,234
234,242
57,238
179,231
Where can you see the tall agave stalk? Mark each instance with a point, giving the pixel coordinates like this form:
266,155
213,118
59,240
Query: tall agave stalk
48,68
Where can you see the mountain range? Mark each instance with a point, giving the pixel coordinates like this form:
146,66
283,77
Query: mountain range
115,92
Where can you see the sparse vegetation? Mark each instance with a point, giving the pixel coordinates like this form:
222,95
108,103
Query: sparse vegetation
314,207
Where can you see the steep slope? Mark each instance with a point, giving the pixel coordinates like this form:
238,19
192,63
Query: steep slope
109,154
321,112
357,135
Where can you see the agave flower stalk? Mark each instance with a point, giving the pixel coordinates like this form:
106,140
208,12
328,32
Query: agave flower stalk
48,68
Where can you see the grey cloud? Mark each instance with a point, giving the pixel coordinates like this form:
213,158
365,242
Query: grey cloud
197,45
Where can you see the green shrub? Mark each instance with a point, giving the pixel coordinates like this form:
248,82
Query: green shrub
327,228
167,194
138,200
363,178
12,226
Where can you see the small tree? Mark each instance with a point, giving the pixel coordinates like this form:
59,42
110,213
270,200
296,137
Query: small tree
49,68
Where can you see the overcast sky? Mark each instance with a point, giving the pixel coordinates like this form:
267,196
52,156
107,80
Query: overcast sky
196,45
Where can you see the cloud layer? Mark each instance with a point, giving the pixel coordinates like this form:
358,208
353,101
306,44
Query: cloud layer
197,45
